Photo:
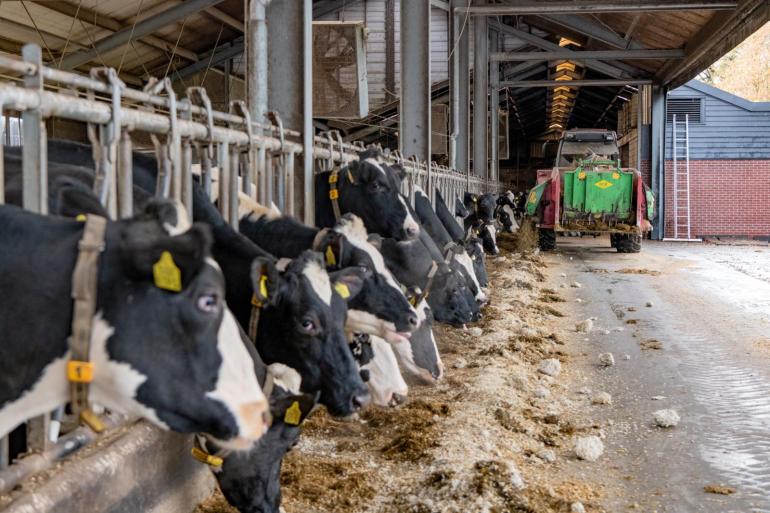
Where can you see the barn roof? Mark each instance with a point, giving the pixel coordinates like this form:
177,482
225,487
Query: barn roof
723,95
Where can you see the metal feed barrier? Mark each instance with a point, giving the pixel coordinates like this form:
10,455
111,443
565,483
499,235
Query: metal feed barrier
231,153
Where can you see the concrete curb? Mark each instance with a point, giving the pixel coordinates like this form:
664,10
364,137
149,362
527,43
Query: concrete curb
143,470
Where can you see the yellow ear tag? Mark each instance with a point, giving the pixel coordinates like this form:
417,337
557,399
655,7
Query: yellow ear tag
81,217
80,372
330,258
342,290
293,414
204,457
166,274
263,286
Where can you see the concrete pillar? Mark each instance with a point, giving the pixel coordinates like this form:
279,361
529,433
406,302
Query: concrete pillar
480,88
459,84
414,129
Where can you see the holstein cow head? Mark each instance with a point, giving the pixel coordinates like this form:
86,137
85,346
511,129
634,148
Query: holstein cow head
368,188
449,296
167,351
307,313
379,369
482,207
475,250
504,212
420,358
460,209
250,480
381,308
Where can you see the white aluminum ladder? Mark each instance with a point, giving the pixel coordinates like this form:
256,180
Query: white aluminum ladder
680,133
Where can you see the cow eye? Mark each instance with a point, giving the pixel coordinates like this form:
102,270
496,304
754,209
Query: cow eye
208,303
308,325
364,268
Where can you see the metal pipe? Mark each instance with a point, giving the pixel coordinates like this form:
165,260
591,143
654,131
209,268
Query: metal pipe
575,55
578,83
256,44
137,31
125,176
223,163
232,188
480,87
307,112
35,147
494,109
187,180
594,7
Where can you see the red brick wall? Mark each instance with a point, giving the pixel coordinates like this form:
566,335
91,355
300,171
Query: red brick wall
727,197
646,171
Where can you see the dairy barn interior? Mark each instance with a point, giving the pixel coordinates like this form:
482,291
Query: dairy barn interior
381,255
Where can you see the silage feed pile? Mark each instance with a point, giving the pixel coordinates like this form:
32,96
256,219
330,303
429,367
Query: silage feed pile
495,435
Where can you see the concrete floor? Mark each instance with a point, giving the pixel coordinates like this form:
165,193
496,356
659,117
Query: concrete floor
711,312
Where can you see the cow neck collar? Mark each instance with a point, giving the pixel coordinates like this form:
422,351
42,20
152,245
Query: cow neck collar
416,299
334,191
80,369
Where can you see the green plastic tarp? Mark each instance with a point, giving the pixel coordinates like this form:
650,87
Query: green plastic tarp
534,197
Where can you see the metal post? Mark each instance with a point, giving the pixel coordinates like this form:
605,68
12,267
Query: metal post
223,161
415,104
494,106
227,84
125,176
657,164
187,181
480,86
35,147
232,187
256,47
463,95
307,113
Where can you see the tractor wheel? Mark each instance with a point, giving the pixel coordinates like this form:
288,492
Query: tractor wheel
631,243
547,239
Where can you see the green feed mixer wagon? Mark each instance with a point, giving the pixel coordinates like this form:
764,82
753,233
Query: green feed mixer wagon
588,192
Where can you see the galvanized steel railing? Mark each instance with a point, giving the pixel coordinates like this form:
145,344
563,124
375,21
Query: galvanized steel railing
244,156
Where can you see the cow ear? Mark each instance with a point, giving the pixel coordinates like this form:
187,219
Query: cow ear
164,211
170,261
264,280
348,282
400,171
292,409
74,200
333,250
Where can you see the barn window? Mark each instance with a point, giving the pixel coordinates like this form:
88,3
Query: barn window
682,107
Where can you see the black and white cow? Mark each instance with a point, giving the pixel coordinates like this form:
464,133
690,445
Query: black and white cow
473,245
481,220
411,261
454,253
379,369
368,188
174,358
250,480
505,212
381,308
343,392
461,210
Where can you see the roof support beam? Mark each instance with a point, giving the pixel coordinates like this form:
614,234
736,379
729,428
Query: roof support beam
97,19
588,55
575,83
592,29
140,30
722,33
601,67
205,61
594,7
